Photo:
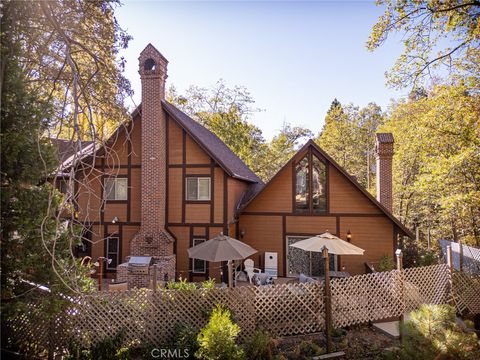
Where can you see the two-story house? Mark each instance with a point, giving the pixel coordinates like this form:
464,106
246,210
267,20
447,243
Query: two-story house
164,183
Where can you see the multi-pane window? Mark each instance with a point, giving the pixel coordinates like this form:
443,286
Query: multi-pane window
310,185
116,188
113,252
199,266
197,188
302,186
319,180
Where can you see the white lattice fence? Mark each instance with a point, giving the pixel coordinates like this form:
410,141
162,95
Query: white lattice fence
466,292
426,285
363,298
290,309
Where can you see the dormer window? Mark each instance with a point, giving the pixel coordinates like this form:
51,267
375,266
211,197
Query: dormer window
310,185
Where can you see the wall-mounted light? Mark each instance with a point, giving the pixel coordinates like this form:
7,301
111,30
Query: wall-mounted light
242,233
349,235
115,220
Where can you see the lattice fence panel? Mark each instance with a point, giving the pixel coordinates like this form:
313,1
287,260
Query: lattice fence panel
466,292
426,285
290,309
363,298
36,332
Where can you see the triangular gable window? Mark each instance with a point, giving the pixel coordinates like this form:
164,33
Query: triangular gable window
310,185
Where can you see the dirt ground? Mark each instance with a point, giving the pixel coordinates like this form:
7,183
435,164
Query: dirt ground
359,343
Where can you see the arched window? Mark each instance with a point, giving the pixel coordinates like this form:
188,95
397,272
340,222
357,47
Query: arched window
310,185
149,64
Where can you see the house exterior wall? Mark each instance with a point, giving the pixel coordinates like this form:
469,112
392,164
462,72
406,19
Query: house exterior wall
268,220
264,224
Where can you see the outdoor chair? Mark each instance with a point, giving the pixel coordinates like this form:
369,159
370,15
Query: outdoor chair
250,269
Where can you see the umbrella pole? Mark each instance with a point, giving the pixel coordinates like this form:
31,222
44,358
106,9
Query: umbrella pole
230,277
328,299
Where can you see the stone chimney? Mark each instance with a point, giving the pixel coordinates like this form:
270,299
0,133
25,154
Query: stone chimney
384,156
153,239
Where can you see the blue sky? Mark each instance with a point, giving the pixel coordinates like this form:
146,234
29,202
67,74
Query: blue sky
294,57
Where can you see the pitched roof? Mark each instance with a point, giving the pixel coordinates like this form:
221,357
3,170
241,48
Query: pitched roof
343,172
385,137
67,148
211,144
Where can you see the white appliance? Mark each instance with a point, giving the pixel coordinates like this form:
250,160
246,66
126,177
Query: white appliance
271,264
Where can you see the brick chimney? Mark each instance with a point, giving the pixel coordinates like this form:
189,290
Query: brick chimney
384,156
153,239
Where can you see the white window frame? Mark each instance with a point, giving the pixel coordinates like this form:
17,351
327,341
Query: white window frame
303,237
198,186
197,241
107,252
116,180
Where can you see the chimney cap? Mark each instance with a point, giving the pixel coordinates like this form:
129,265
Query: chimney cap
384,138
151,51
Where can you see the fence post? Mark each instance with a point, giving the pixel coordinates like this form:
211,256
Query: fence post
154,278
399,255
460,263
450,273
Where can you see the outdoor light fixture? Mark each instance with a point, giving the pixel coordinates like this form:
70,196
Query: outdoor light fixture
349,235
114,220
242,233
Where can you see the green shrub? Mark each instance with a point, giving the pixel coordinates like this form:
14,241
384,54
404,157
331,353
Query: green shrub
260,346
386,263
186,338
181,284
111,349
309,349
433,333
217,339
428,257
106,349
208,284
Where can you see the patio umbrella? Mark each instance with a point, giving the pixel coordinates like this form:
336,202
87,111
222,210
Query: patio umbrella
221,248
327,243
334,244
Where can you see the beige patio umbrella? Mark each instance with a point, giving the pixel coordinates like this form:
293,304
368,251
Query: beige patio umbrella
222,248
334,244
327,243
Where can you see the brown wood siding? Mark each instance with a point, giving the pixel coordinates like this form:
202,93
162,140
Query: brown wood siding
175,195
115,210
277,196
175,144
195,155
136,137
197,213
373,234
345,198
218,196
197,171
310,224
182,235
136,195
128,233
263,233
89,199
236,189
